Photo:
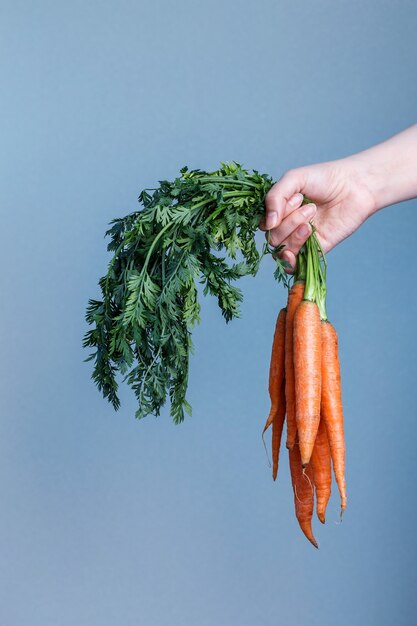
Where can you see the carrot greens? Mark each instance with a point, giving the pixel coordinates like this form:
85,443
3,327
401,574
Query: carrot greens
199,228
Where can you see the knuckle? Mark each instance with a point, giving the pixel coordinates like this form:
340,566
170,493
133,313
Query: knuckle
294,242
291,177
290,174
295,219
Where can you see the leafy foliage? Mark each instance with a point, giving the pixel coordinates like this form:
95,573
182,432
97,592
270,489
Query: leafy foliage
184,233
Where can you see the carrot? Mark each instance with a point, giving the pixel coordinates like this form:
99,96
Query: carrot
277,426
276,389
295,296
322,470
302,484
307,371
331,405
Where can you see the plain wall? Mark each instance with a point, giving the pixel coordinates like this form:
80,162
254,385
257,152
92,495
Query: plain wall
106,520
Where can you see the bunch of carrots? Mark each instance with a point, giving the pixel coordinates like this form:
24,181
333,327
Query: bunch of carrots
305,388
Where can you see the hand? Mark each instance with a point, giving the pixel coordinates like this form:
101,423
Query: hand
342,199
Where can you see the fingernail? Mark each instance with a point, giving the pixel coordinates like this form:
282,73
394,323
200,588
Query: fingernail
296,199
287,257
271,220
303,230
308,210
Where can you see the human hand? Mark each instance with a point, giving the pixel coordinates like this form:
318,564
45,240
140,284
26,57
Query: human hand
342,197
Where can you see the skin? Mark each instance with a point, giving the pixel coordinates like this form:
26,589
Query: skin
346,192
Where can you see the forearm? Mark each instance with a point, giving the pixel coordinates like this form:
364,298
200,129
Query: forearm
390,168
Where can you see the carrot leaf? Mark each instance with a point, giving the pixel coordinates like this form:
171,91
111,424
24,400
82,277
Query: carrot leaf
198,229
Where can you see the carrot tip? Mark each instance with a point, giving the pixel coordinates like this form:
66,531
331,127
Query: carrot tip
342,510
266,450
313,541
306,528
321,518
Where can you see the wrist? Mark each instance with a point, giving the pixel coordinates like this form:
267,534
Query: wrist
388,170
375,175
364,186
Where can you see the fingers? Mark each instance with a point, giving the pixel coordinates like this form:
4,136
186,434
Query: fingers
285,218
290,224
278,197
290,259
293,203
292,246
295,241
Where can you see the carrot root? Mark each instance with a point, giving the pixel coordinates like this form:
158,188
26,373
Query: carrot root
302,482
307,372
276,387
295,296
332,409
322,470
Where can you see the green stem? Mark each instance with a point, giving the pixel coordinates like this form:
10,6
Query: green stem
151,248
145,265
227,181
202,203
321,303
310,288
233,194
163,267
315,290
222,207
300,273
174,273
318,268
321,283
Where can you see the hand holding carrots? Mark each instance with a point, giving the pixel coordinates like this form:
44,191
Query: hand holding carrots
305,385
346,191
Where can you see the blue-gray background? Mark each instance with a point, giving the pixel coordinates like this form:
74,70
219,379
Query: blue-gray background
105,520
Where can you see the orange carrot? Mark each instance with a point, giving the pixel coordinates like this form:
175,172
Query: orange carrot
307,373
302,484
277,426
331,405
322,470
295,296
276,389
